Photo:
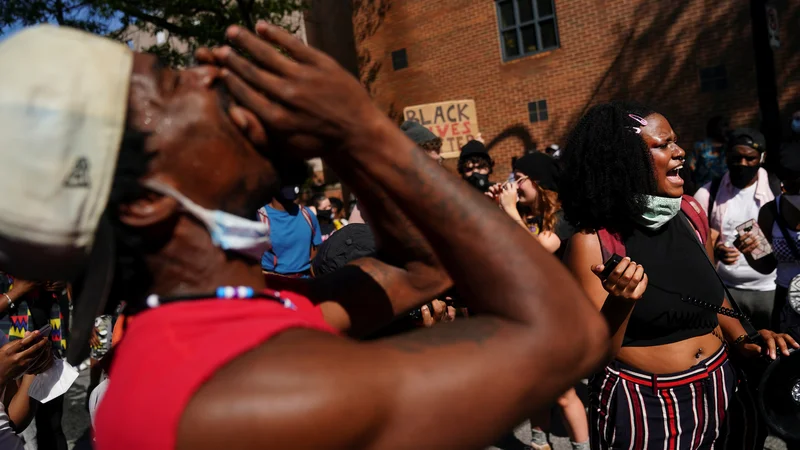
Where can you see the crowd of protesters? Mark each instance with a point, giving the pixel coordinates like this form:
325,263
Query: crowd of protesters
216,308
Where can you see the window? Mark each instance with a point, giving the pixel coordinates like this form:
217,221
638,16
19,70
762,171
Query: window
399,59
537,111
526,27
713,79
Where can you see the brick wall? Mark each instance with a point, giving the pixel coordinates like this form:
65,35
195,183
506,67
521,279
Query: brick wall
646,50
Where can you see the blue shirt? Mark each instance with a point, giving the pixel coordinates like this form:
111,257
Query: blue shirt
291,241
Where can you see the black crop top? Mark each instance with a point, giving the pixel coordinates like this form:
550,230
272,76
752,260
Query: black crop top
676,268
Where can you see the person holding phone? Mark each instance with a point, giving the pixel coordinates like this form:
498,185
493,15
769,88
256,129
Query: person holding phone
732,203
779,221
180,172
621,185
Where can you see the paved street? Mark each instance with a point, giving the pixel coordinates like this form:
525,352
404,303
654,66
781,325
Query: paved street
76,418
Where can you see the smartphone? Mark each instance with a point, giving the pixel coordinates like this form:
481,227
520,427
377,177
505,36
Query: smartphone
751,226
610,265
45,330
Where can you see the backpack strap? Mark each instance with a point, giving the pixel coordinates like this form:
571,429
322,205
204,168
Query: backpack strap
694,212
610,244
774,184
713,191
307,216
264,218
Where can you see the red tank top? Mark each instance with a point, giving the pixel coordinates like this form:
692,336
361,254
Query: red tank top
169,352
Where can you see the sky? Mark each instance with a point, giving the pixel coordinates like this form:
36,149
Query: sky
7,31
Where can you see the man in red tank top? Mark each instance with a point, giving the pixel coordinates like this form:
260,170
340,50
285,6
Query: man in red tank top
218,357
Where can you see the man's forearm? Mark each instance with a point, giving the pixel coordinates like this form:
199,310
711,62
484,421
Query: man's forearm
405,274
463,226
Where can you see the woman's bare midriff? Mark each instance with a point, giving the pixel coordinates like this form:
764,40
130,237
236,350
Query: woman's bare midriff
671,358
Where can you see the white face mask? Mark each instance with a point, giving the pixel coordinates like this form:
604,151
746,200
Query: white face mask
228,231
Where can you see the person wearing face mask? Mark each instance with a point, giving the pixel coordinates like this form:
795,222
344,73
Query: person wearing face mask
118,208
779,220
730,202
320,205
621,187
475,165
295,230
338,212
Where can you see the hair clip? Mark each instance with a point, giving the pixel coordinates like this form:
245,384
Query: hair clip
641,121
636,130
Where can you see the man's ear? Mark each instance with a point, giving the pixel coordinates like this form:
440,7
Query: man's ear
147,210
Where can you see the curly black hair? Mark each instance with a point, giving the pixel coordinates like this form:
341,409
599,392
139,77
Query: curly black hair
607,169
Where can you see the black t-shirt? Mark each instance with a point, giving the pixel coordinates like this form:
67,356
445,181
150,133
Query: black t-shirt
678,270
563,229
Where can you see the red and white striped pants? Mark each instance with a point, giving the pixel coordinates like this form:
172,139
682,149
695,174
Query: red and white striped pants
704,407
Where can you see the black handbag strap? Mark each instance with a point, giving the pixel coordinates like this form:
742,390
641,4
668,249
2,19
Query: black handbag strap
736,311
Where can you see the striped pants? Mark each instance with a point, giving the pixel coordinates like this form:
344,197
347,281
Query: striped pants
707,406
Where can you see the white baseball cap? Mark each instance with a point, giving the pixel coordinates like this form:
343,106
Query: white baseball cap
63,104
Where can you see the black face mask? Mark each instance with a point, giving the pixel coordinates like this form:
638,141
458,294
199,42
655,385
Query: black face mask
325,215
741,176
480,181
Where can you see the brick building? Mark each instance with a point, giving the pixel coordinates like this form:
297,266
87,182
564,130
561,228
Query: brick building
542,63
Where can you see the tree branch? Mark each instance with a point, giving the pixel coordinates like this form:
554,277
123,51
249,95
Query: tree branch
157,21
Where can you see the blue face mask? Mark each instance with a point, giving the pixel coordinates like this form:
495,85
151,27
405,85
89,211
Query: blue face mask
228,231
796,126
659,211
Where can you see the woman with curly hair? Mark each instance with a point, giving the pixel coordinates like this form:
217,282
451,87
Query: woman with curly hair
671,384
531,200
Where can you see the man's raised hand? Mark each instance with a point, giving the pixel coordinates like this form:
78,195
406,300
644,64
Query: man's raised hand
303,97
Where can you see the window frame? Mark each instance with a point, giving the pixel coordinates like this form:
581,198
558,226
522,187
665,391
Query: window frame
396,56
540,111
518,25
712,82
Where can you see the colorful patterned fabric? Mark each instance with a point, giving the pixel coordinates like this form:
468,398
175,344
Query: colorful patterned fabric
707,406
22,320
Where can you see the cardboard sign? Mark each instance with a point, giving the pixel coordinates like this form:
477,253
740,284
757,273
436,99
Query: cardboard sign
455,122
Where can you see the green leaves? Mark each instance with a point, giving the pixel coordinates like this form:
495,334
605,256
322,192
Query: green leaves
189,24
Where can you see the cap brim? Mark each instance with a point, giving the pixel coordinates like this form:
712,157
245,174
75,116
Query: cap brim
90,292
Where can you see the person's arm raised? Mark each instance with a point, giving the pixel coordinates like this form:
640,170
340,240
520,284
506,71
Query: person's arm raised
458,385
